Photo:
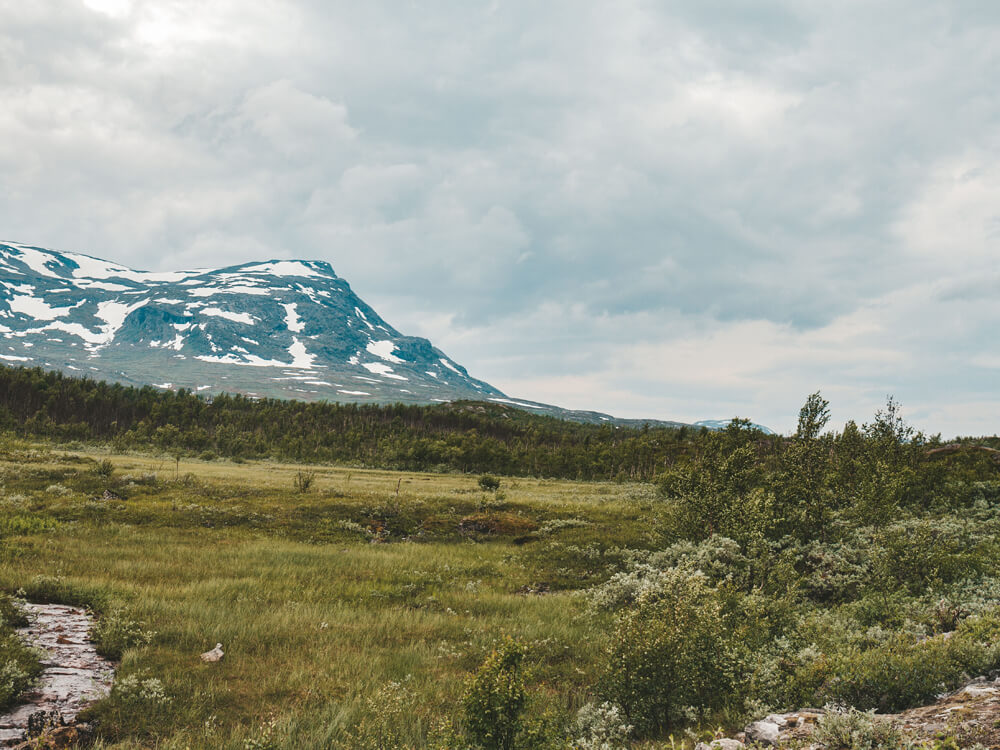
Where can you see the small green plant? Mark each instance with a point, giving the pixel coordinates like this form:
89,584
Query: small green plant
600,727
489,483
104,468
19,664
115,632
304,480
137,691
388,719
495,698
850,729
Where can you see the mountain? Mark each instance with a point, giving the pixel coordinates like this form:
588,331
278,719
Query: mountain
278,329
284,329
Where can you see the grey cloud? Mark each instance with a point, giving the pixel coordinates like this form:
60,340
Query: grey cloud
642,174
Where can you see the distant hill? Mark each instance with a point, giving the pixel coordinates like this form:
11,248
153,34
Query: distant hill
721,424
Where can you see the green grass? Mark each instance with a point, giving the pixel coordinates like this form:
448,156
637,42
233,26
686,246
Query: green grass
314,617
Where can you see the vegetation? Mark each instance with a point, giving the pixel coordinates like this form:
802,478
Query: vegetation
19,665
381,609
464,436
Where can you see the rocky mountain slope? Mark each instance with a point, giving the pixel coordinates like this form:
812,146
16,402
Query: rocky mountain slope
280,328
290,329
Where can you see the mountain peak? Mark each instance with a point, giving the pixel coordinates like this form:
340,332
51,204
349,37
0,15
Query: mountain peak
275,328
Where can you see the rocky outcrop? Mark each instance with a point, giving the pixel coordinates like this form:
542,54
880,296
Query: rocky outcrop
970,714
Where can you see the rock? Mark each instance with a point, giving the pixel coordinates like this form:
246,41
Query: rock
723,744
57,738
214,655
766,732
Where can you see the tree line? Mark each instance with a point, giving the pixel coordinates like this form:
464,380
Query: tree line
461,436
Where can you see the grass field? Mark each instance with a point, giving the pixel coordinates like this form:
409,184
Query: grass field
351,613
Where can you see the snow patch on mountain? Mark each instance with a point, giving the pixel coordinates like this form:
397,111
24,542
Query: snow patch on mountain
36,308
384,350
245,318
292,320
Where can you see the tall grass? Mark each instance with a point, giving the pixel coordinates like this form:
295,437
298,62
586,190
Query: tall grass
314,619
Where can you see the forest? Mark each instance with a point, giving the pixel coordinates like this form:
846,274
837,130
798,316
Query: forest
461,436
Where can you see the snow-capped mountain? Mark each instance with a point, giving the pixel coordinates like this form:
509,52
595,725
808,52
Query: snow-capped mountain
281,328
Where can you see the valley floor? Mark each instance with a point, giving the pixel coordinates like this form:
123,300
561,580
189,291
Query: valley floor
367,598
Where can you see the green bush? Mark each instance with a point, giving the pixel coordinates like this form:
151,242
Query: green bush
856,730
903,672
11,615
26,524
304,480
670,653
115,631
495,698
19,664
489,483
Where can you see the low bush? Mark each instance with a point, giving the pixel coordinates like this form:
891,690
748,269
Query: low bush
19,664
903,672
506,524
672,659
489,483
116,631
850,729
495,698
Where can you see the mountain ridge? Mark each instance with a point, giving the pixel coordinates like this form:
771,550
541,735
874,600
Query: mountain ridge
277,328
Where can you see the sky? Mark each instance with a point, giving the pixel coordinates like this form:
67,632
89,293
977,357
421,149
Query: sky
678,210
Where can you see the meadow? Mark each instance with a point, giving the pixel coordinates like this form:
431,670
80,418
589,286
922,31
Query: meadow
359,605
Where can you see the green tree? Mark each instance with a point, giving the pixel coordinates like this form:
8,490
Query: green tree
813,416
495,698
672,651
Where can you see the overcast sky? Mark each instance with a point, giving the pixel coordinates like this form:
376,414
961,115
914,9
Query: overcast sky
681,210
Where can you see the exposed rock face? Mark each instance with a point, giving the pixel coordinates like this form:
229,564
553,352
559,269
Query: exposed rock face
74,677
971,714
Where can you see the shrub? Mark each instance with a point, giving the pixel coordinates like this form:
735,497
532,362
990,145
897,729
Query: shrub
903,672
851,729
388,719
489,483
115,631
496,523
304,480
670,653
19,664
137,691
26,524
495,698
11,615
600,727
104,468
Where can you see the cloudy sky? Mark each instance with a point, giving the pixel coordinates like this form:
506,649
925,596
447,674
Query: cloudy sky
683,210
